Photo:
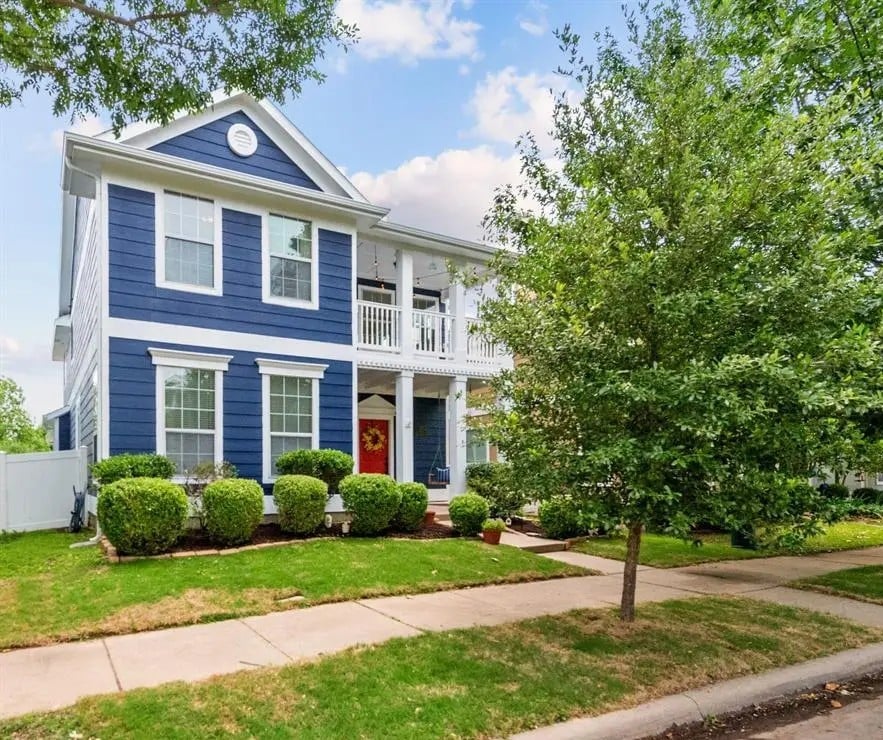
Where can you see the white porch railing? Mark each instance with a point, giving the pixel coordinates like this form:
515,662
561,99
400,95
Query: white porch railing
479,348
379,326
433,333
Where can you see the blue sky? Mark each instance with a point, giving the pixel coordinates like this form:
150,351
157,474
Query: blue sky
422,114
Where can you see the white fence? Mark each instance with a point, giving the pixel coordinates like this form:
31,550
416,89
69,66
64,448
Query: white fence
37,489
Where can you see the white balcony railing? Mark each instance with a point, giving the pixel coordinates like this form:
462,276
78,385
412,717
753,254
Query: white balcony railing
433,333
379,326
479,348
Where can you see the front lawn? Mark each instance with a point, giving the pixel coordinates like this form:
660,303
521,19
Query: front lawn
50,593
661,551
865,584
486,682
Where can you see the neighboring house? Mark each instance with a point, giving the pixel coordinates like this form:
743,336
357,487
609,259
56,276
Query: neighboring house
227,294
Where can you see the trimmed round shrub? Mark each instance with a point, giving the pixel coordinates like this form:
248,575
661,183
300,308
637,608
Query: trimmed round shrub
232,509
468,513
834,490
868,495
372,499
300,501
415,501
495,482
142,516
330,466
560,518
130,465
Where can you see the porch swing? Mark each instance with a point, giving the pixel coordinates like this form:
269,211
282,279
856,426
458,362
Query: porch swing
438,477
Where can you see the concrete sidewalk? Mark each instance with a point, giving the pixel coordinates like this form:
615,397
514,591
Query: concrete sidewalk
52,677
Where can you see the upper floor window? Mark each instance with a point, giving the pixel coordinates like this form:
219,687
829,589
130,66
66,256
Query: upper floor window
290,267
188,257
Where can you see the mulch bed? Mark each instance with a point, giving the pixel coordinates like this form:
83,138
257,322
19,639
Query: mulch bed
527,526
761,718
196,539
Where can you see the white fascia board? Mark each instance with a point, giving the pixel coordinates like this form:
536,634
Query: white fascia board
267,116
194,360
92,154
65,272
428,240
290,369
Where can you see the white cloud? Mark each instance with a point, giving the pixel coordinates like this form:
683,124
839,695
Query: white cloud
507,105
410,30
88,126
533,20
449,193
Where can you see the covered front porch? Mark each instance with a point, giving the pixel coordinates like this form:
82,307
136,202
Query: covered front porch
412,425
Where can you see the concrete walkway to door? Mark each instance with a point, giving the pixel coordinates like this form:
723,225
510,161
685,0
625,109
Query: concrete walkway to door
51,677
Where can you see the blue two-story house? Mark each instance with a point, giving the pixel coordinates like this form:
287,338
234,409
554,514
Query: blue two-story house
227,294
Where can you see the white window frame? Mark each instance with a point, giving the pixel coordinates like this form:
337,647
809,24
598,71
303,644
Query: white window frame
879,479
313,303
386,291
305,370
487,450
436,307
160,250
172,359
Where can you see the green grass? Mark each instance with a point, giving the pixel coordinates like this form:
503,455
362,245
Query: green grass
661,551
485,682
865,584
50,593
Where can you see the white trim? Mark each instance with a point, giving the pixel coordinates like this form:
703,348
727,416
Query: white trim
266,297
162,370
196,336
269,476
375,407
265,115
389,291
159,229
290,369
190,360
103,318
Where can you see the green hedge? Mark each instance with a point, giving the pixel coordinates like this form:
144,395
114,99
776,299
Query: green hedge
232,509
130,465
495,482
142,516
560,518
300,501
372,499
415,501
330,466
468,513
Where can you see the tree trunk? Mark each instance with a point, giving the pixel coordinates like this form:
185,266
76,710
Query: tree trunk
630,574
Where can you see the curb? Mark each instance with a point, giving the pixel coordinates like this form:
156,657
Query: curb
695,705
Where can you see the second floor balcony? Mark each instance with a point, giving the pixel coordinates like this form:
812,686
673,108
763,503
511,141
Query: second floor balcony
408,305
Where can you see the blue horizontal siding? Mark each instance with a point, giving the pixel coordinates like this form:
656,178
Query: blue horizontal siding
133,403
134,295
208,145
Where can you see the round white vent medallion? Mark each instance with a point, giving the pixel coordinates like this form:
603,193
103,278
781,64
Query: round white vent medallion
242,140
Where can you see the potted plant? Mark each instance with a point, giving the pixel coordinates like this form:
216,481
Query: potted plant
491,530
428,518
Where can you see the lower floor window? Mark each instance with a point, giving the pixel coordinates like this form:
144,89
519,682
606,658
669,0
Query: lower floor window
291,415
476,448
189,417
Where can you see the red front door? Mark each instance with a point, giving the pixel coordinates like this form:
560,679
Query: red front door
374,446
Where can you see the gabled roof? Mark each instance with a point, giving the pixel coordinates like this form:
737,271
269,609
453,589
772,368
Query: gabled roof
271,121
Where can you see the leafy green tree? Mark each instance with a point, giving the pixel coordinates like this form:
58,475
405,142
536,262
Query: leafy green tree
147,59
689,289
17,432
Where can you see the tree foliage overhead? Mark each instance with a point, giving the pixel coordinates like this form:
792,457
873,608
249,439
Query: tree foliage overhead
17,433
148,59
691,289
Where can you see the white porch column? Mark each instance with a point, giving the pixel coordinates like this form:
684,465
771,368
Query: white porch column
404,439
457,434
405,292
457,298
